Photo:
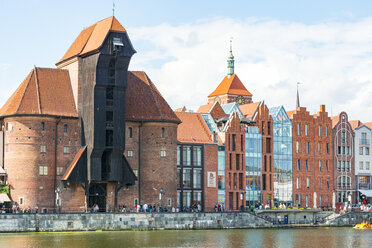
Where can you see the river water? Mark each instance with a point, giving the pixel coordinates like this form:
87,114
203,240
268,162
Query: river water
301,237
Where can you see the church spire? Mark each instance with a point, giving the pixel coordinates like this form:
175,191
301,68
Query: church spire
230,62
298,97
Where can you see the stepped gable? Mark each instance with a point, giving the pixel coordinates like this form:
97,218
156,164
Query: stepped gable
249,109
144,102
231,85
91,38
45,91
193,128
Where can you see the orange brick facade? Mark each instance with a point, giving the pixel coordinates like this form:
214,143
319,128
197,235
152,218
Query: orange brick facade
312,159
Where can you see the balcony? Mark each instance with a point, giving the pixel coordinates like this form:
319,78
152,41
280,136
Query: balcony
364,142
364,186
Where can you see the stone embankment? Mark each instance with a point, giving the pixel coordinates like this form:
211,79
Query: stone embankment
351,219
128,221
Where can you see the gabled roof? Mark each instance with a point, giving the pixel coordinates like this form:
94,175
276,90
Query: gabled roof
355,123
249,109
45,91
230,85
193,128
215,109
229,108
368,124
91,38
144,102
279,114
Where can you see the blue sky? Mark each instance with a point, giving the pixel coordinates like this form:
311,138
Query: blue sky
182,45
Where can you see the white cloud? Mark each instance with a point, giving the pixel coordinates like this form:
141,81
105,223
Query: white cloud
332,60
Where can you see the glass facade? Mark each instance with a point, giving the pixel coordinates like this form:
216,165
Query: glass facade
189,176
282,137
221,175
253,165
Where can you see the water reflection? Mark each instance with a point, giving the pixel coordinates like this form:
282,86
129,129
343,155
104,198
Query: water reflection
304,237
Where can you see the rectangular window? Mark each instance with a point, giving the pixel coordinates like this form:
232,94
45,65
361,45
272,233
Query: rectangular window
319,148
320,130
306,165
367,165
360,150
42,126
197,155
327,147
306,129
42,148
66,149
347,166
163,132
320,183
298,183
297,147
339,150
163,153
65,128
320,166
130,153
298,129
338,165
233,142
307,147
178,178
130,132
361,165
343,137
186,199
326,130
308,182
307,201
43,170
21,201
343,150
327,169
169,202
187,178
186,153
327,183
197,179
59,170
348,150
367,150
9,127
298,165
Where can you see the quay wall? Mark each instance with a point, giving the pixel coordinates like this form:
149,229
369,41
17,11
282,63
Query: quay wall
351,219
127,221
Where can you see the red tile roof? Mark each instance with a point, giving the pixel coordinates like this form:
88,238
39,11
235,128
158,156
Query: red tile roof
231,85
205,108
193,128
368,124
249,109
91,38
355,123
290,113
73,163
144,102
44,92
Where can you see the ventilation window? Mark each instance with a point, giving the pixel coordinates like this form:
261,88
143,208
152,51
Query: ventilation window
116,41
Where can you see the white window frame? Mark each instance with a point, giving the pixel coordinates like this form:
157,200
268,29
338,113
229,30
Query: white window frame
66,150
130,153
43,148
163,153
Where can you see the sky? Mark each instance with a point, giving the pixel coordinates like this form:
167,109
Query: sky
183,47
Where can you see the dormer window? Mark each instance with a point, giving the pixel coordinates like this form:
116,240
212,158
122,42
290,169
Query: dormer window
116,41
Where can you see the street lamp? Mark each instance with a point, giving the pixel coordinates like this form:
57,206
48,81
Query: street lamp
242,199
58,200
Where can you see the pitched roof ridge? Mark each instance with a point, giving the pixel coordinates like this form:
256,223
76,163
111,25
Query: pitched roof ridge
23,95
37,90
153,96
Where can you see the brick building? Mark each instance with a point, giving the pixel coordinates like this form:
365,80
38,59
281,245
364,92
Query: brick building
343,159
312,158
72,135
196,163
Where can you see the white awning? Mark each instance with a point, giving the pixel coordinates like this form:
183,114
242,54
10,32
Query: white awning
2,171
367,193
4,198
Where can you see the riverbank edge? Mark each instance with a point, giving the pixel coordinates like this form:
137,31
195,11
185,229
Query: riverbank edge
21,223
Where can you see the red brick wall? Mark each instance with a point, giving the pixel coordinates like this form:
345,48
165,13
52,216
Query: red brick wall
233,185
210,165
23,158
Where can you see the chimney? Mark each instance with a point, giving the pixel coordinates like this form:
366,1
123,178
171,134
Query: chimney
322,108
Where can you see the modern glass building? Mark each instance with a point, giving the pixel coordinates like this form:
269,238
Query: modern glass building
282,137
221,175
253,165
